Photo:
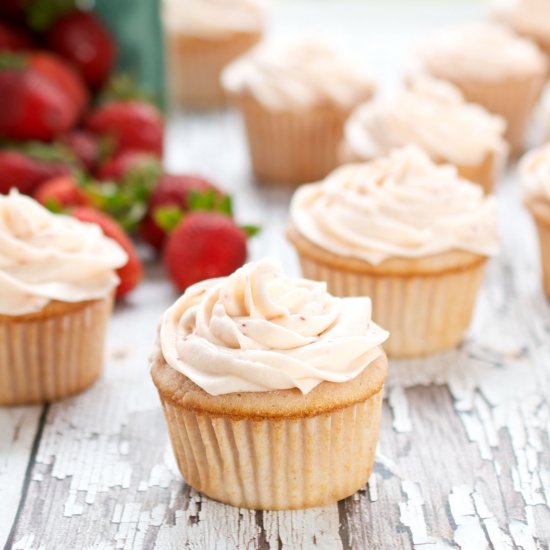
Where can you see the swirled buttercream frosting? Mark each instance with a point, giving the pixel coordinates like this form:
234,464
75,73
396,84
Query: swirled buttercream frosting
402,205
298,76
481,52
431,114
526,16
259,330
213,18
535,174
45,257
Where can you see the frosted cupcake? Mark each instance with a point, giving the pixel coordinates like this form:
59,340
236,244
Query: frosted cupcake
57,280
295,101
202,37
433,115
491,66
529,18
535,175
409,233
272,389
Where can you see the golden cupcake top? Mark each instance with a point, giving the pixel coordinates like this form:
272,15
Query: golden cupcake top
260,330
400,206
214,18
46,257
526,16
431,114
299,76
484,52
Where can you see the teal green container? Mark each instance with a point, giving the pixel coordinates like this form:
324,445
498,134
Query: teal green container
137,27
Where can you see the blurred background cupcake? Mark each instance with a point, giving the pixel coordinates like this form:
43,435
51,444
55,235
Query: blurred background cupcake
57,284
410,234
529,18
432,114
491,66
295,101
535,176
202,36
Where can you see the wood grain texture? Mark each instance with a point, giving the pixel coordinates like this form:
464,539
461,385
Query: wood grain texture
464,454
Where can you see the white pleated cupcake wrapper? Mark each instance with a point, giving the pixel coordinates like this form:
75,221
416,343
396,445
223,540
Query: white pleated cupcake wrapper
276,464
292,147
514,101
544,245
48,359
194,73
424,314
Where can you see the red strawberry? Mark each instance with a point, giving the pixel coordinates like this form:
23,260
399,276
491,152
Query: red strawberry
63,192
13,38
204,245
63,74
82,38
118,166
133,125
130,275
171,190
40,96
24,172
85,146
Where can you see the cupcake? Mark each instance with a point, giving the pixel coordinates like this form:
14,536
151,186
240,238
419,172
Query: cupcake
57,281
535,175
202,36
295,101
529,18
491,66
409,233
433,115
271,388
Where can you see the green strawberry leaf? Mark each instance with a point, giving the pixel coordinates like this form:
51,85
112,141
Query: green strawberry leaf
124,87
13,61
210,201
42,14
168,217
54,206
46,152
251,230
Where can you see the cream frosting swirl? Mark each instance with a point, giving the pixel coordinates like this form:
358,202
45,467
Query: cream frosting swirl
525,16
534,172
298,76
45,257
214,18
431,114
259,330
402,206
481,52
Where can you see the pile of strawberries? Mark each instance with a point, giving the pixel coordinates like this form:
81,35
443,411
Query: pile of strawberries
85,142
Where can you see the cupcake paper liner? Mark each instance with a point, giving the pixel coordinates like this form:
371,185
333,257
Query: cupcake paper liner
514,100
52,354
292,147
543,229
195,66
276,464
425,311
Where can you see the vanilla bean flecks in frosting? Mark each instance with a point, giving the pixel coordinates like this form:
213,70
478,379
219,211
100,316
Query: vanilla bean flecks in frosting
299,76
528,16
535,174
432,114
45,257
402,206
213,18
259,330
481,52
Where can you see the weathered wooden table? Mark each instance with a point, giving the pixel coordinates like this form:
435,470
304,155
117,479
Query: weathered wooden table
464,454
